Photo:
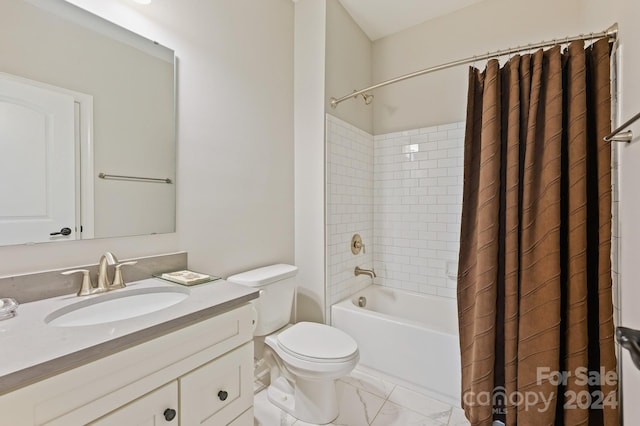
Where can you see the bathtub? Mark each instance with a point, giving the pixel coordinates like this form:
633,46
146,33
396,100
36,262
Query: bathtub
410,337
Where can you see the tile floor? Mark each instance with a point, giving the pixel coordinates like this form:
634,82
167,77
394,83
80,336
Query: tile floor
368,400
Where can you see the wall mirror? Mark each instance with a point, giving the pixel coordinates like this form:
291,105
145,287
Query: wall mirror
87,127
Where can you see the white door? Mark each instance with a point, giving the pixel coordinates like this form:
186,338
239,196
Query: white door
37,164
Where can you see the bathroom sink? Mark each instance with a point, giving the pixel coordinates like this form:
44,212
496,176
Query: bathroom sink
116,306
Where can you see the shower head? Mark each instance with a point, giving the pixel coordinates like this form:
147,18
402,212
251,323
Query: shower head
368,98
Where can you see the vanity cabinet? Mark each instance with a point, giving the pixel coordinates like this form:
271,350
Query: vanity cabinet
213,395
199,374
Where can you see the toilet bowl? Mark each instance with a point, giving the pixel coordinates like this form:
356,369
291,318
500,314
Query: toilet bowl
313,356
305,358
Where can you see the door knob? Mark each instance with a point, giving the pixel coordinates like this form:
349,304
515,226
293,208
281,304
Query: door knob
64,231
630,340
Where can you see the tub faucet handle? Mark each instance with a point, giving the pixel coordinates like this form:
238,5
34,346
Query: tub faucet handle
357,244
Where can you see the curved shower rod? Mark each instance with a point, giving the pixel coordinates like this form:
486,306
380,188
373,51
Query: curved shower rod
611,32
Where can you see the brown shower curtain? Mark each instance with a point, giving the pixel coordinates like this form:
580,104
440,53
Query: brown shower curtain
534,280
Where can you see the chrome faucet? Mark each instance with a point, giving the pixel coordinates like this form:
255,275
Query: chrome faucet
361,271
103,276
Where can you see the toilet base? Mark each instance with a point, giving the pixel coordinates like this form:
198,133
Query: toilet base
312,401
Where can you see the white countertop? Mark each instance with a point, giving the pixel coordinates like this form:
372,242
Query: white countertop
32,350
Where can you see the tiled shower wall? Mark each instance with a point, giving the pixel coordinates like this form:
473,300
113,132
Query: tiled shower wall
349,207
418,178
402,192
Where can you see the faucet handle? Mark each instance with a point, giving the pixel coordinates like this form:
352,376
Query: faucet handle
87,286
357,244
118,281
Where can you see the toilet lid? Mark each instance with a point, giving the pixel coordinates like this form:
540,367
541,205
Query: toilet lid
319,341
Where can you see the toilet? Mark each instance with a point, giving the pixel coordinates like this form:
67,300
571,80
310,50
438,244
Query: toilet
306,358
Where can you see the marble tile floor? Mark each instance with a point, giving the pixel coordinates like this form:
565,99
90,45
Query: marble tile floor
368,400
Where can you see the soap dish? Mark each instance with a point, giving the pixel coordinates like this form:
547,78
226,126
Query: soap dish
8,308
186,277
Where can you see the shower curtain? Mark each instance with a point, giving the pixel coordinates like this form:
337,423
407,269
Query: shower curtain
534,280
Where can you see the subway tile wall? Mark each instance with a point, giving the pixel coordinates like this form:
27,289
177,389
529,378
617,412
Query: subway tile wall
349,207
418,178
402,192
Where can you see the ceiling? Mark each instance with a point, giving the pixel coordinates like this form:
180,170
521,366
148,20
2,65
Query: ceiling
380,18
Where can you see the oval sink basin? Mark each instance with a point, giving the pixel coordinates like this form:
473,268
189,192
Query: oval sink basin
117,306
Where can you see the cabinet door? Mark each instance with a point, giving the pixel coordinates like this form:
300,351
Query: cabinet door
215,393
244,419
150,410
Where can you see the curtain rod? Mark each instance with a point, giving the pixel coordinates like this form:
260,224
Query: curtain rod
611,32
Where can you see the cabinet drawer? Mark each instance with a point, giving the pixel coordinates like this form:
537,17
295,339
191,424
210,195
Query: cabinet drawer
215,393
245,419
150,409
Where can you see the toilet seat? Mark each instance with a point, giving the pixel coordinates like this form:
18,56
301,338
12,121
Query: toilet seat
316,342
295,351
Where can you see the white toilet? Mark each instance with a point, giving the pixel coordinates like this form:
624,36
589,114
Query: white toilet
305,358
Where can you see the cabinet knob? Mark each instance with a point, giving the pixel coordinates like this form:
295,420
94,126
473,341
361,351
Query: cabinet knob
223,395
169,414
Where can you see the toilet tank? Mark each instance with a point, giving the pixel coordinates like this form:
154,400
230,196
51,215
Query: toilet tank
277,286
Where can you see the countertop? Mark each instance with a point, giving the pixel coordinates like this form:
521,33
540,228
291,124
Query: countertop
32,350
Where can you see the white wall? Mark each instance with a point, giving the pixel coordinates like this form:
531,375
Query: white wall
309,83
235,137
348,66
235,130
489,25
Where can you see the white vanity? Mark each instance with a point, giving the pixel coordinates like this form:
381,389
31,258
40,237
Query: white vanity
190,363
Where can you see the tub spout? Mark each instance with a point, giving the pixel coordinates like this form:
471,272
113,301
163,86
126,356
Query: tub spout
361,271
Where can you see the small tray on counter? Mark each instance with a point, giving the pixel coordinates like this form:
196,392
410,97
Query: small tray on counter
186,277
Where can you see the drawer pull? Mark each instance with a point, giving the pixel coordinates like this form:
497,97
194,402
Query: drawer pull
223,395
169,414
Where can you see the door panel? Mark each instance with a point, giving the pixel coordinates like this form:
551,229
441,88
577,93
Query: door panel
37,163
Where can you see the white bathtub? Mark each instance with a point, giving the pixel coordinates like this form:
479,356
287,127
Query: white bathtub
407,336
